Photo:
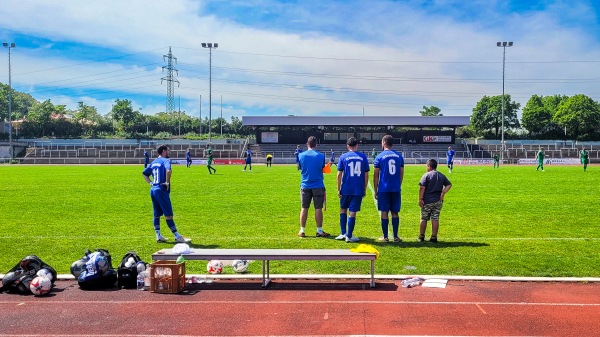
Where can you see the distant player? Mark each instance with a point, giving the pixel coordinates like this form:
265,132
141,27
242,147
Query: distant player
585,158
387,184
373,154
269,160
352,181
496,160
332,158
297,154
146,158
540,159
248,159
211,169
450,158
188,158
160,170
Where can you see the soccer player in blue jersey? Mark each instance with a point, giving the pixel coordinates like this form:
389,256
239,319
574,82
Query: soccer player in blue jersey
332,158
450,159
248,159
297,154
387,184
312,187
352,181
160,170
146,158
188,158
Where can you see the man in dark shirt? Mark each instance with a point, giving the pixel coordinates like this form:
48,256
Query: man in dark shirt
434,185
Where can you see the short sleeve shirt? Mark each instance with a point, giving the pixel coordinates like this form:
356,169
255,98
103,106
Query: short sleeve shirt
354,166
158,170
311,164
389,163
434,182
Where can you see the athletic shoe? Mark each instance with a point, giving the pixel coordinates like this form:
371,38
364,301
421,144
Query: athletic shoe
352,239
341,237
433,239
397,240
421,238
301,234
383,239
182,239
323,235
161,239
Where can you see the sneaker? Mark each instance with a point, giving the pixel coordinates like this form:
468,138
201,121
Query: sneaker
301,234
383,239
161,239
421,238
182,239
352,239
323,235
433,239
341,237
397,239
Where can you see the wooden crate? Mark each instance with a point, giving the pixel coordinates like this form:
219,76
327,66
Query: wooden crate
167,277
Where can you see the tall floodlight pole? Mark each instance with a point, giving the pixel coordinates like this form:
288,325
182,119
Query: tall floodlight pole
210,47
200,115
221,115
503,45
10,144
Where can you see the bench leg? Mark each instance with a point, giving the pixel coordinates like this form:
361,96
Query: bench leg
372,273
265,274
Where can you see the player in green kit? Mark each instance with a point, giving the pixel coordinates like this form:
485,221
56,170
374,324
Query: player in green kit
540,158
496,161
211,169
585,158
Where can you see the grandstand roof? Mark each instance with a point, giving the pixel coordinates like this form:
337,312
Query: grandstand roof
413,121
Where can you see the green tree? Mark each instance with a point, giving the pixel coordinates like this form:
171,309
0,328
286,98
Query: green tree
430,111
124,116
39,119
580,115
487,115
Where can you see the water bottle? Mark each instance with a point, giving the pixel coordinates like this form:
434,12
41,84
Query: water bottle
140,281
411,282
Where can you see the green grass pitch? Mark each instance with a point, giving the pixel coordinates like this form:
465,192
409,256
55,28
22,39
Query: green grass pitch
511,221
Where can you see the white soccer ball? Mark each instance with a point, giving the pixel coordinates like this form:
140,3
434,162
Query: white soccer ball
102,263
239,266
45,273
214,267
77,267
40,286
141,266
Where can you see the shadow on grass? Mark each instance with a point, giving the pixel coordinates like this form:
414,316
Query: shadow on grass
426,244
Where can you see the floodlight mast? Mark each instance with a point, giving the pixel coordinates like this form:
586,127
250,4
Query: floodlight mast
210,47
503,45
9,45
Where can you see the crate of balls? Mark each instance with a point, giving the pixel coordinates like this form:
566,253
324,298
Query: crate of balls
167,277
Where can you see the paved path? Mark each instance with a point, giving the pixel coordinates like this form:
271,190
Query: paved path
310,308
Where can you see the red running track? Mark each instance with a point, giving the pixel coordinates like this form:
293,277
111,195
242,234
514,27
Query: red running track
310,308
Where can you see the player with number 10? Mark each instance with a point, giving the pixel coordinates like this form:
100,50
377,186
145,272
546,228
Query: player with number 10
387,184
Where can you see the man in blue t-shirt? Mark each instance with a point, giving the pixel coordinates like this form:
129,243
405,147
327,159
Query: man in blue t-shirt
312,187
450,159
352,180
297,154
188,158
332,158
146,158
387,184
248,159
160,170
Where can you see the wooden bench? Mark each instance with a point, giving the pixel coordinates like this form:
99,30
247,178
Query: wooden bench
267,255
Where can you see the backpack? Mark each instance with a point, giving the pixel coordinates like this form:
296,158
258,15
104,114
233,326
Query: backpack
97,272
127,276
18,278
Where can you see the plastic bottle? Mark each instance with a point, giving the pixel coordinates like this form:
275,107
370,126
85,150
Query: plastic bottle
140,281
411,282
147,278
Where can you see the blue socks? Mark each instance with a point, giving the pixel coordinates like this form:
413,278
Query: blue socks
384,227
395,226
351,223
343,221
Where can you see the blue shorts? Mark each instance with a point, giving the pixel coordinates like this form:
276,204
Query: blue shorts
161,202
351,202
388,201
248,161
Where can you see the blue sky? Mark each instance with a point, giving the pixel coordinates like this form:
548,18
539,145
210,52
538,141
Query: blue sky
309,58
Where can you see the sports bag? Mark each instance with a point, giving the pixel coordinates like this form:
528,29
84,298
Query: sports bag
127,271
97,271
18,278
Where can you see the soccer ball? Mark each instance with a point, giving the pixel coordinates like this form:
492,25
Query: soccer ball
239,266
77,267
40,286
102,263
45,273
214,267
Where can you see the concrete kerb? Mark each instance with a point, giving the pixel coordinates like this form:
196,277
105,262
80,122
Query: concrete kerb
69,277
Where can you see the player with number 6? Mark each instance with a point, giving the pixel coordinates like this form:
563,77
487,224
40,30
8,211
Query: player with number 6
387,184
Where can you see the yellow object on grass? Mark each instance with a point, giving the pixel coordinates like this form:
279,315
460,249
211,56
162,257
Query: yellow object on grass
362,248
